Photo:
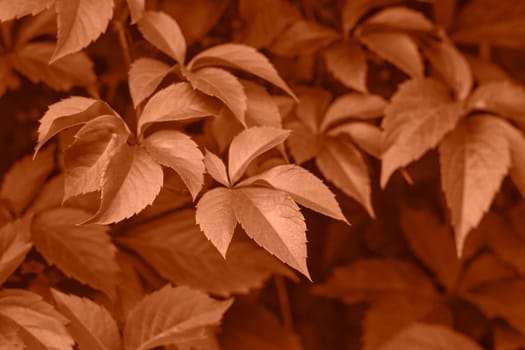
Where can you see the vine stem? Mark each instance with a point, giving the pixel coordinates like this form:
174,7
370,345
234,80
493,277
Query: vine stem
284,302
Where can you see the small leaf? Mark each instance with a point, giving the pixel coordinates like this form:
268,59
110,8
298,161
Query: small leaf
136,9
216,168
91,325
249,144
15,9
179,152
164,317
302,186
41,326
15,243
273,220
474,159
79,23
347,62
164,33
82,252
216,217
499,97
145,75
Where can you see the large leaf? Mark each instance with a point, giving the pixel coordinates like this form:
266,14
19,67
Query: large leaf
274,221
165,317
164,33
178,151
91,325
420,115
474,159
79,23
241,57
15,243
304,187
83,252
347,63
16,9
145,75
216,217
249,144
40,325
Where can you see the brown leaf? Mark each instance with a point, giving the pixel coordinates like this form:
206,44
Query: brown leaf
347,63
12,10
15,243
354,10
145,75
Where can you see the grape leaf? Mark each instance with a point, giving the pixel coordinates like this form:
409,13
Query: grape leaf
347,63
420,115
216,217
136,9
500,97
240,57
79,23
145,75
249,144
16,9
25,178
91,325
398,49
474,159
164,33
273,220
164,317
216,168
179,152
304,187
353,10
82,252
424,336
15,243
40,325
367,136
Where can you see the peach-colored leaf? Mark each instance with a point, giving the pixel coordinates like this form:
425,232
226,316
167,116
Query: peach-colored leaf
474,159
216,218
368,137
353,10
399,18
216,168
84,252
15,243
420,115
16,9
342,164
302,142
164,33
222,84
312,106
91,325
249,144
241,57
176,102
9,335
261,107
304,187
347,63
136,9
165,317
179,152
503,97
145,75
25,179
79,23
43,327
273,220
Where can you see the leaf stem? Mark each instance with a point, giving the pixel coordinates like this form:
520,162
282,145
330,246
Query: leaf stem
284,302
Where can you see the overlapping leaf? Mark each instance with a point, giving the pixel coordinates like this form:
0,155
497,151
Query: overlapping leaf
15,243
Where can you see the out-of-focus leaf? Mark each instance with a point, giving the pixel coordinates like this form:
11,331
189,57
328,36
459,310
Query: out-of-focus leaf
474,159
145,75
483,270
507,338
485,71
15,243
500,97
353,106
368,137
136,9
16,9
303,142
353,10
398,18
444,11
9,336
347,63
516,141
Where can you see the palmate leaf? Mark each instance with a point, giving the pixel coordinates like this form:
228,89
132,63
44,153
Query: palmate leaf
145,75
15,243
171,315
347,63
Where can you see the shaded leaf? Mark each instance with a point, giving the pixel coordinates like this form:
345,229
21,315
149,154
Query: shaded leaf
500,97
398,18
261,107
516,141
216,168
9,336
136,9
302,142
347,62
507,338
15,243
16,9
353,10
485,269
366,136
145,75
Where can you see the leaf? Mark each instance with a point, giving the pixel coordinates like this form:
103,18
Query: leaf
176,102
353,105
225,86
91,325
216,168
136,9
261,107
499,97
25,178
398,49
342,164
444,12
131,181
485,269
249,144
302,38
12,10
347,63
79,23
164,33
302,142
164,316
9,336
41,326
273,220
435,337
474,159
15,243
485,71
176,248
145,75
366,136
304,187
84,252
353,10
398,18
179,152
516,141
370,279
420,115
73,70
312,106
